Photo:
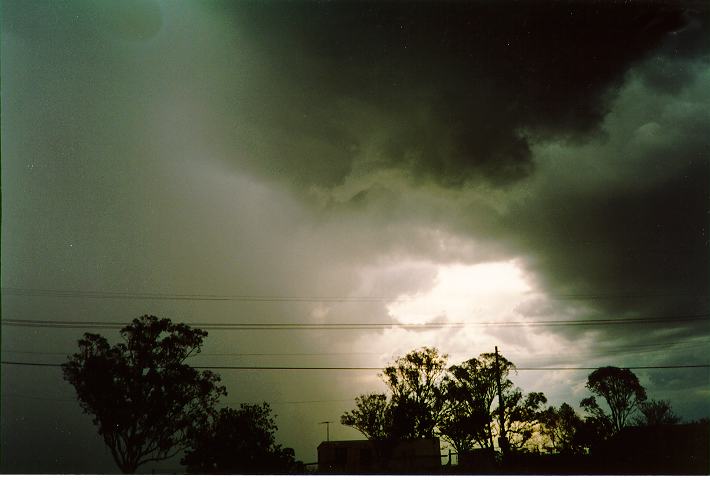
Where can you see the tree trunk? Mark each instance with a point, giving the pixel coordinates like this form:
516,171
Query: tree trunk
128,468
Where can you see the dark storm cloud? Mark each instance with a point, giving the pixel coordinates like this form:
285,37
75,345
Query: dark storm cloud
465,86
454,94
460,93
645,250
623,220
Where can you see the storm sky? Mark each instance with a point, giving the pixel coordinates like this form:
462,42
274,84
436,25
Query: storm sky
352,162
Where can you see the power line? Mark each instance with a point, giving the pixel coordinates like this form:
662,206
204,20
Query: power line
226,354
282,402
599,296
236,326
31,364
642,367
99,294
368,326
207,367
618,349
254,367
300,402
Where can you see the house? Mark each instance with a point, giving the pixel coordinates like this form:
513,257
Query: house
370,456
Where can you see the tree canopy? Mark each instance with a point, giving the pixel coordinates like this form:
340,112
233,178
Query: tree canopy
144,399
622,391
563,427
470,391
414,382
238,441
656,412
458,404
461,405
522,413
372,416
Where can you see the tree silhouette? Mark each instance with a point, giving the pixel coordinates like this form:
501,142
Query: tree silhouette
656,412
522,415
238,441
470,392
372,416
622,391
596,427
563,427
381,421
145,400
463,423
416,398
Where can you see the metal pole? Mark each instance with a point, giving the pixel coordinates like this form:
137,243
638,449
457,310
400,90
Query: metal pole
502,439
327,430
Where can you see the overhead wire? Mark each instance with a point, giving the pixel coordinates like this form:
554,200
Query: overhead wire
341,368
370,326
278,402
107,294
102,294
225,354
633,348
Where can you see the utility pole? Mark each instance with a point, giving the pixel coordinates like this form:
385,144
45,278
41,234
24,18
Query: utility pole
502,437
327,429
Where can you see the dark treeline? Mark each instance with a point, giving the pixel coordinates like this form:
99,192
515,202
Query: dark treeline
476,407
149,405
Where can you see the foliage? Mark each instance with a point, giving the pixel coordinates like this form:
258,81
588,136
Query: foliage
470,391
145,400
462,424
522,415
622,391
382,421
238,441
656,412
416,397
597,426
372,416
563,427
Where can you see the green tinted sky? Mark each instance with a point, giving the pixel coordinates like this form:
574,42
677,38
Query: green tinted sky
442,162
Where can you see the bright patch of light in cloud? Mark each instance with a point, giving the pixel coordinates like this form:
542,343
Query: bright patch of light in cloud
483,292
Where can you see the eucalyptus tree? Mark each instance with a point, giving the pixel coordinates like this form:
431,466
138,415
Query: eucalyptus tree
563,427
414,381
621,390
372,416
656,412
523,416
470,393
239,441
145,400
